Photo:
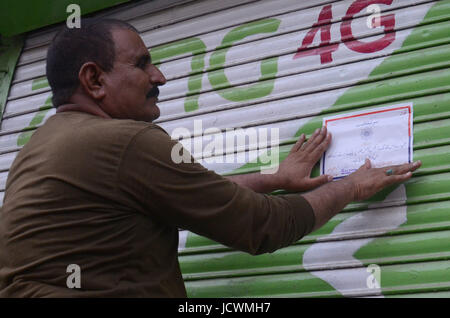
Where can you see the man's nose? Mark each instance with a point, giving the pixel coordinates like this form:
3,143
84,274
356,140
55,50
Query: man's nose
156,76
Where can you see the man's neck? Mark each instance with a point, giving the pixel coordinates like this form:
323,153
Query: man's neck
84,108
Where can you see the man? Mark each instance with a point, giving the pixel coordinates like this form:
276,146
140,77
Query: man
95,187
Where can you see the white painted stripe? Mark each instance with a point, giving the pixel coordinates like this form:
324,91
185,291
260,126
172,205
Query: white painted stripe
182,234
260,114
354,280
8,143
6,160
29,71
15,124
32,55
23,89
3,177
24,105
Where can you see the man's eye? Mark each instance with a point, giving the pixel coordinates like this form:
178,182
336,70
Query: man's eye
142,65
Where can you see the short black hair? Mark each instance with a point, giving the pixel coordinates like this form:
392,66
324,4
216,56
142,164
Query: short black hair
71,48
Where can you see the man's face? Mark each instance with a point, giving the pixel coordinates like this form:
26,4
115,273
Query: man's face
131,86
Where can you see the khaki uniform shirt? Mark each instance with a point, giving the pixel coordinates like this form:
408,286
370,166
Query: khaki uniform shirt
105,195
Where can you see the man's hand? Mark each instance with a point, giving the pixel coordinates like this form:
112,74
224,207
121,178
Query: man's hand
295,171
367,180
331,198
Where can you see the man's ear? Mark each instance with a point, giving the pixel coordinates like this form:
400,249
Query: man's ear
91,80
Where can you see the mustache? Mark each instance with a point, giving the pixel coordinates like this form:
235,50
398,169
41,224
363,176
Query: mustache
154,92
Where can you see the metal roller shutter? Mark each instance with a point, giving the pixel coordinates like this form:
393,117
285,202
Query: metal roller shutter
287,64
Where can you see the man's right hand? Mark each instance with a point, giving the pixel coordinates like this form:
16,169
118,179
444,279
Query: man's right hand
367,181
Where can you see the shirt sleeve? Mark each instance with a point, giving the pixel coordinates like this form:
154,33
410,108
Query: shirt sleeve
191,197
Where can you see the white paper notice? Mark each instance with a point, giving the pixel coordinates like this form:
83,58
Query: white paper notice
384,135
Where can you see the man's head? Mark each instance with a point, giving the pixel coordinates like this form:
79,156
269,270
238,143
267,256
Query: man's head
106,64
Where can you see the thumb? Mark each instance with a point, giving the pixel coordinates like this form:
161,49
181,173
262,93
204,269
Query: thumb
366,165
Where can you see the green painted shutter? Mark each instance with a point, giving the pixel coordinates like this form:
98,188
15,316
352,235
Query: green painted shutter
286,65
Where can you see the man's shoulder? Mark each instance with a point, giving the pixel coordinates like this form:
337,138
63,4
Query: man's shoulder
74,131
86,124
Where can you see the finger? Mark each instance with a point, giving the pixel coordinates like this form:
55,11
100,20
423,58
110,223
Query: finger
313,136
416,165
316,139
298,144
402,169
399,178
386,181
322,147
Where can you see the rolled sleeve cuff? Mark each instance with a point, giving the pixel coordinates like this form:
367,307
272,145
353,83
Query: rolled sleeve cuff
304,213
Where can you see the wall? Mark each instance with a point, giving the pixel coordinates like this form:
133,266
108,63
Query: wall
263,64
